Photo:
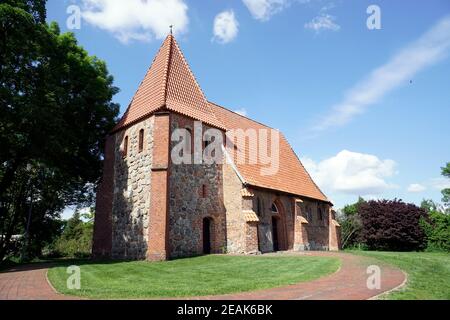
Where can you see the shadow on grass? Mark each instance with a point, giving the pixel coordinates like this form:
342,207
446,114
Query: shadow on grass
11,266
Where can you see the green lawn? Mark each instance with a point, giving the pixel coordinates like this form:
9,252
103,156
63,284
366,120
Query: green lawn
428,273
205,275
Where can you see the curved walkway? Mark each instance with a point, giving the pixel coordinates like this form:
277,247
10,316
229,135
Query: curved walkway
28,282
348,283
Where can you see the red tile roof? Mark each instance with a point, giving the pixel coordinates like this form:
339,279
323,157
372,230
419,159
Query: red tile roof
291,176
170,84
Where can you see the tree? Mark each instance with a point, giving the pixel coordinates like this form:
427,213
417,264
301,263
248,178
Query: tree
55,110
34,7
392,225
350,224
436,227
76,239
446,192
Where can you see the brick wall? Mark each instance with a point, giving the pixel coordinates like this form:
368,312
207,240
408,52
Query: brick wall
315,233
285,221
158,242
102,241
335,232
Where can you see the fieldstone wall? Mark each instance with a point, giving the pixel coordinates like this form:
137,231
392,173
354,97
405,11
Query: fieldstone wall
236,225
131,202
189,206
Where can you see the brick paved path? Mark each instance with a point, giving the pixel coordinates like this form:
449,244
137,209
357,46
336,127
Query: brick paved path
349,282
27,283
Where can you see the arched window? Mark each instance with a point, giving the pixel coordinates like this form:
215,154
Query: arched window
320,214
274,208
141,140
125,146
188,141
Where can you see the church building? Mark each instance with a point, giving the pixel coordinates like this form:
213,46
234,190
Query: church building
151,206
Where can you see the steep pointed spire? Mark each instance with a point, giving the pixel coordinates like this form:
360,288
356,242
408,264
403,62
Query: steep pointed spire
169,83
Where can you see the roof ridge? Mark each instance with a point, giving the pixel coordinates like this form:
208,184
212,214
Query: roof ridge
248,118
167,69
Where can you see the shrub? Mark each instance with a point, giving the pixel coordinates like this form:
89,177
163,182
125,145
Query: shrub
76,239
392,225
436,227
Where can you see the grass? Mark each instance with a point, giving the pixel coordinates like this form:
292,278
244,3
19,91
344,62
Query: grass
198,276
428,273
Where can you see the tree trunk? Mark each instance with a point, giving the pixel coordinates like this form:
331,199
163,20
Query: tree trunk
10,228
8,178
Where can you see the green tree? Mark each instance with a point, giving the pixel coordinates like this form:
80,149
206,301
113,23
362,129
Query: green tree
55,110
436,227
76,239
34,7
350,224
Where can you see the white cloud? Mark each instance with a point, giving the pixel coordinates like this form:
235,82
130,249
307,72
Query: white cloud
430,48
137,19
416,188
242,112
352,173
440,183
328,7
263,10
323,22
226,26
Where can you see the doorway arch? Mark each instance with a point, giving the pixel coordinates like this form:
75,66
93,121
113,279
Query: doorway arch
279,238
207,235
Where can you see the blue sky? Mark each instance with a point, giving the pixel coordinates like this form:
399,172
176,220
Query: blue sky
366,110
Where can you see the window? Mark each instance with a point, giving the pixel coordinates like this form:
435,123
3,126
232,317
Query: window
274,208
188,141
204,191
320,214
125,146
207,142
308,214
258,207
141,140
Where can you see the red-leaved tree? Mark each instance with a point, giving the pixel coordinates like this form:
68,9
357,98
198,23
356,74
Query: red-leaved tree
392,225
